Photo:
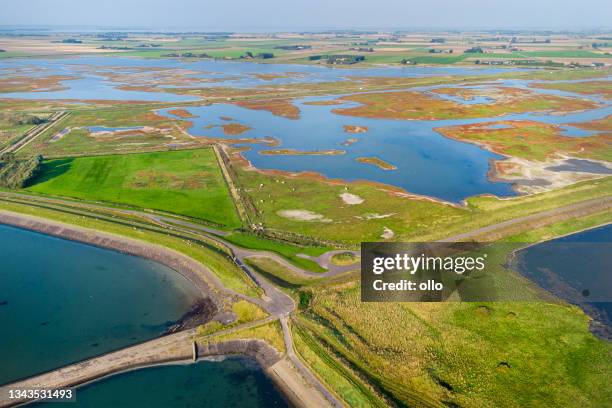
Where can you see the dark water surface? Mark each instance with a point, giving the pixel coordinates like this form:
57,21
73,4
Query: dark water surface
62,301
578,269
232,382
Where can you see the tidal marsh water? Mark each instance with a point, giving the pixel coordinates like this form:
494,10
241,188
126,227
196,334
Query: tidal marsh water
91,83
427,163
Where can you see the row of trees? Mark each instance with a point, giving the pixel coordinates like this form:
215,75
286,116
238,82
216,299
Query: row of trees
16,173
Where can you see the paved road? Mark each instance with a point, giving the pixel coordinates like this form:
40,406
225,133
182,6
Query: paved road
533,220
277,303
306,373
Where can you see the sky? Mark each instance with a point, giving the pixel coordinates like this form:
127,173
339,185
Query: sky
295,15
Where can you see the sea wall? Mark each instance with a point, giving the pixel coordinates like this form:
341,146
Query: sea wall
261,351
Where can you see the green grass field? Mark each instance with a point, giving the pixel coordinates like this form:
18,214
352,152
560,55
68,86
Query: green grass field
286,250
186,182
470,354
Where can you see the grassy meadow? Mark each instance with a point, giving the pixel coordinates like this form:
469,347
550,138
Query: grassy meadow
410,218
187,182
469,354
537,353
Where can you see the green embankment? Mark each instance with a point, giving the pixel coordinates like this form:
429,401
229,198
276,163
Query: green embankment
286,250
186,182
461,354
279,274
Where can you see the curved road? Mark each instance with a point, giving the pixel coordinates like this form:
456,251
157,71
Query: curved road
278,304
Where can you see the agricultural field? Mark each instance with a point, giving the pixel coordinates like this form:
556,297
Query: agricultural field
185,182
396,48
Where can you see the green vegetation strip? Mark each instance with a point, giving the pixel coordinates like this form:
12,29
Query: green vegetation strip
184,182
284,249
344,383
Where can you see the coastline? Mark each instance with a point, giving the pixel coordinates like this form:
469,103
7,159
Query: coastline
597,320
207,284
175,348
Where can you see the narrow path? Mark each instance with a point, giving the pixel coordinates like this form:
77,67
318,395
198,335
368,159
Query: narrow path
308,375
34,132
538,219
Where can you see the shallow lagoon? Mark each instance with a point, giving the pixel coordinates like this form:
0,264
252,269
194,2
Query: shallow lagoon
229,73
63,301
427,162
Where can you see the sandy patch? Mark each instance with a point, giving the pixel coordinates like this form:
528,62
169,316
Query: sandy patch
351,199
538,176
302,215
355,129
350,141
387,233
60,134
375,216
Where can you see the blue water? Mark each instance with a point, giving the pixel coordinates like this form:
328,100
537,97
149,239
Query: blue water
93,86
427,163
233,382
574,131
577,268
62,301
